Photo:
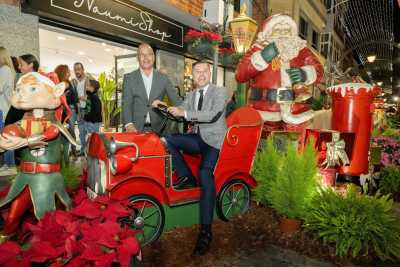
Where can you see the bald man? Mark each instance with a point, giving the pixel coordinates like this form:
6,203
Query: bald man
140,89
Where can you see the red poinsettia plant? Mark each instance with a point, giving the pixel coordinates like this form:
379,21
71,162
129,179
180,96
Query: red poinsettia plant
202,43
88,235
193,35
228,56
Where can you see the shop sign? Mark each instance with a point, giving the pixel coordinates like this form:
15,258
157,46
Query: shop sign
119,16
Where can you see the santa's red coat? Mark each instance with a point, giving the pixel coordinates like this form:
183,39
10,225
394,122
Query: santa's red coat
271,79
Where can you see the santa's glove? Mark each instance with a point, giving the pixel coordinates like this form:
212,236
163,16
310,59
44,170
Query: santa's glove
296,75
269,52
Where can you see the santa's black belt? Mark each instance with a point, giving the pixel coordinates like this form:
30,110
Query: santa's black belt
280,95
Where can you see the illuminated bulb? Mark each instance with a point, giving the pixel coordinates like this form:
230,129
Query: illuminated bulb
61,38
81,53
371,58
379,83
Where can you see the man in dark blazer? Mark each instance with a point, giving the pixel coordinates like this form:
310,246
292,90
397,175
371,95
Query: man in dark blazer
205,108
140,88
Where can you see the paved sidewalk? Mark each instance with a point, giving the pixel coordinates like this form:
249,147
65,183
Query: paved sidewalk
271,256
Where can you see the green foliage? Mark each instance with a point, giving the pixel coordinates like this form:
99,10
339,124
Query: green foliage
265,169
357,224
109,107
317,104
392,133
393,121
389,180
286,181
71,175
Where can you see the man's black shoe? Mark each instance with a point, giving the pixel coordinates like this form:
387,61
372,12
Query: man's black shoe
185,182
203,243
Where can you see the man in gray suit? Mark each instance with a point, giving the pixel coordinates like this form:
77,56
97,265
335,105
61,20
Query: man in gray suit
140,88
205,107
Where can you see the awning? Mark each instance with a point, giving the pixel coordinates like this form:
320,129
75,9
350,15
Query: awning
171,12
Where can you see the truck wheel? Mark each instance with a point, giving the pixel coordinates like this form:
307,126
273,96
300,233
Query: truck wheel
148,217
233,200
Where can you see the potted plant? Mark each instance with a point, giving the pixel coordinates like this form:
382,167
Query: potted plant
202,43
290,184
228,57
109,106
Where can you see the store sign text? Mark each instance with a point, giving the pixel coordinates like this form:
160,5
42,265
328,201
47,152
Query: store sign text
125,17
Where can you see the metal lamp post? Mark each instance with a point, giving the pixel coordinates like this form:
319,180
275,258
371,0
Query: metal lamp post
243,29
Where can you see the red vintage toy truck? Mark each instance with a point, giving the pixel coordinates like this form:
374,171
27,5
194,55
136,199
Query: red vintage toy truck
138,167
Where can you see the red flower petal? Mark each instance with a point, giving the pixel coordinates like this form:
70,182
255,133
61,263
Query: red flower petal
8,251
41,252
131,244
87,209
106,259
79,197
92,252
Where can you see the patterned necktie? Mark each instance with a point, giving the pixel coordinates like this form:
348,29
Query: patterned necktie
200,103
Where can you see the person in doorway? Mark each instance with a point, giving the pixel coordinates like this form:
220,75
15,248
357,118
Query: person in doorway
27,63
7,81
92,118
64,74
140,89
205,107
81,83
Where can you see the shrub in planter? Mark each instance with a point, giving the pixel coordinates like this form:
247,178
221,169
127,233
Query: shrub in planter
265,169
287,182
295,182
389,181
357,224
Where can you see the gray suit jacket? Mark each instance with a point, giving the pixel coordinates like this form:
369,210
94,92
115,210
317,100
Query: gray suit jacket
136,104
211,118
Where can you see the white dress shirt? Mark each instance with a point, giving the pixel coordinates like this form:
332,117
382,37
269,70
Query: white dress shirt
148,81
81,90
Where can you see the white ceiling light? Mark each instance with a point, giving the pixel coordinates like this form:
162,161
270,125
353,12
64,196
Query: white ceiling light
107,49
61,38
371,58
379,83
90,60
103,44
81,53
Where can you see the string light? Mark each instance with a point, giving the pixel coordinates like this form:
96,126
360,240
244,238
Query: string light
368,26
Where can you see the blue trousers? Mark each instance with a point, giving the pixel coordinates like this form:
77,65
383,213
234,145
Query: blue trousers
88,128
194,144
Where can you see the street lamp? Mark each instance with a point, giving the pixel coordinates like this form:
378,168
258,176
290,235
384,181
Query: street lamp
243,29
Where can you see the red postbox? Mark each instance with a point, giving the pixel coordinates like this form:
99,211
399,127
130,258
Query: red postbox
352,107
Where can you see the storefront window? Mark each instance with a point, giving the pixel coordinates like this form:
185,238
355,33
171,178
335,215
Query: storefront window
172,65
59,46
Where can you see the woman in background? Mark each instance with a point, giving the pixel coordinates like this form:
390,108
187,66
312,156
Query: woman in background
7,82
71,94
27,63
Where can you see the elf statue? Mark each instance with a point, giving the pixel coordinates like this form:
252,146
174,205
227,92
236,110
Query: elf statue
39,180
280,67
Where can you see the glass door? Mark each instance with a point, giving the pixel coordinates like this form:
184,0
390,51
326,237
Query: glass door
123,64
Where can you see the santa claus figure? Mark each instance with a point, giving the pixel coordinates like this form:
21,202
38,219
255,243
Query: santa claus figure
280,67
